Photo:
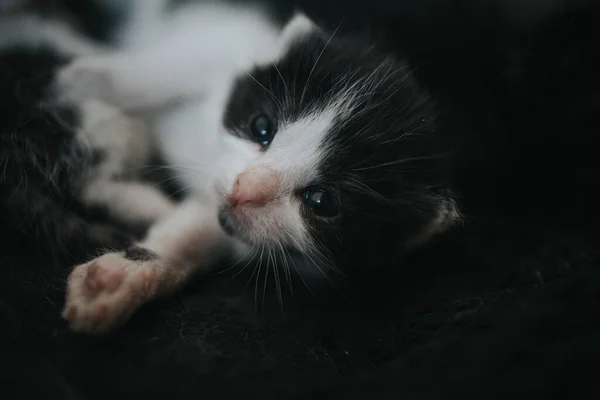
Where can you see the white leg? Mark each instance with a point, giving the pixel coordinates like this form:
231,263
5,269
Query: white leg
142,80
125,147
106,291
136,204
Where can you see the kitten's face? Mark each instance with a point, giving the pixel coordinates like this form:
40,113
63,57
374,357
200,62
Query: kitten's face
337,157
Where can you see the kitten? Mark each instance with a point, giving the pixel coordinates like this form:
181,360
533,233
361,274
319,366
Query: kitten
296,144
62,161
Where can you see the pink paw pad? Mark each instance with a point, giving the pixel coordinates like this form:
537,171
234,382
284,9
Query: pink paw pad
103,279
103,293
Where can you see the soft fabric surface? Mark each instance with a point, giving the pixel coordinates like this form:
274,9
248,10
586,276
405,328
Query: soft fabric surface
485,319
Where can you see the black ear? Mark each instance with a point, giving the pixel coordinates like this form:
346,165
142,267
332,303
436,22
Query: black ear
448,216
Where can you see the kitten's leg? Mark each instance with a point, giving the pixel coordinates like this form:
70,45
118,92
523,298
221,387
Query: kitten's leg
137,204
106,291
142,80
123,147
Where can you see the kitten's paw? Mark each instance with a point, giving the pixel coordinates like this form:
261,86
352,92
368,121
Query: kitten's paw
85,78
105,292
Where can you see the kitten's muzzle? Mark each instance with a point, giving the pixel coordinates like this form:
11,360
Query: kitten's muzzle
257,186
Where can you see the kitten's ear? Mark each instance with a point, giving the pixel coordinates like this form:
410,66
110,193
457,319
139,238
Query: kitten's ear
296,29
449,216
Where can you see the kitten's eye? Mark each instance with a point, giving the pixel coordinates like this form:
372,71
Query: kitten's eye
262,129
320,202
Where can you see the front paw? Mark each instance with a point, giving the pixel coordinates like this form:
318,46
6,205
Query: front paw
105,292
86,78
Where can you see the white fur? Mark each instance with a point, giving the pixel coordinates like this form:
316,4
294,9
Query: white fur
179,67
125,145
295,154
195,54
107,290
209,159
193,51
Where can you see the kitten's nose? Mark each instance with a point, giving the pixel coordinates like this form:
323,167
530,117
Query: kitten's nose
255,186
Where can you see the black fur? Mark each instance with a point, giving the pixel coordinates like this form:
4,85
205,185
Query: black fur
387,164
42,165
514,137
136,253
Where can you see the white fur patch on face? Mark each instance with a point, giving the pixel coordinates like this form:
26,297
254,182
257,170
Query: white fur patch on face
205,157
299,148
295,155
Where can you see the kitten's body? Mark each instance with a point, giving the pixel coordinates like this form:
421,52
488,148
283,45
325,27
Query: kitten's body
340,111
345,124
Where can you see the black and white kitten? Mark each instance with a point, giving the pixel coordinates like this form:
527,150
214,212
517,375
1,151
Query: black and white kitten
318,152
60,160
295,144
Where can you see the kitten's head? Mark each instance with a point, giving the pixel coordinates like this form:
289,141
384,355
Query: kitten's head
336,157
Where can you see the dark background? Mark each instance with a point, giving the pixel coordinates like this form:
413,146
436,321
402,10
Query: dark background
507,306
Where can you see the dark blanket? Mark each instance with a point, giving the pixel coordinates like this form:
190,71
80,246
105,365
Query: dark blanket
511,313
501,309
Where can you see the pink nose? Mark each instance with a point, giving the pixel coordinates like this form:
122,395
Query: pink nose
256,186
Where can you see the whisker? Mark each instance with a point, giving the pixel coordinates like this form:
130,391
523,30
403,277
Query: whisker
267,269
313,262
251,275
267,90
242,259
169,180
302,279
316,62
286,265
287,90
277,282
248,262
326,257
398,162
257,279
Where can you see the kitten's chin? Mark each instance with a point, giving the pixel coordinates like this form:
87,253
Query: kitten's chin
226,220
229,224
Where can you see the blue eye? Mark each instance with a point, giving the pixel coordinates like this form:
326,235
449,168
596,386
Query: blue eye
320,202
262,129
